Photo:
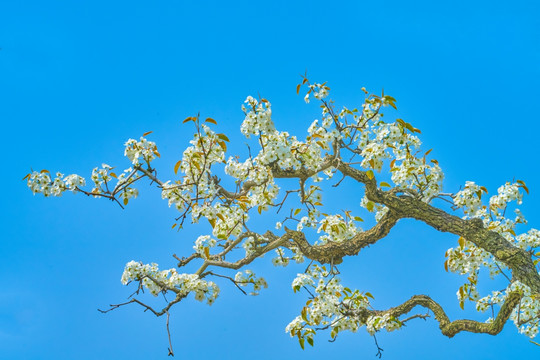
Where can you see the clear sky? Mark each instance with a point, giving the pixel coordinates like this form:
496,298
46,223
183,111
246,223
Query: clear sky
77,79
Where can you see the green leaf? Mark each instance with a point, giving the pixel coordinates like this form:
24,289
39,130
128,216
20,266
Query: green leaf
210,120
297,211
301,341
303,313
368,294
310,340
369,206
385,184
370,174
222,137
358,218
223,145
177,166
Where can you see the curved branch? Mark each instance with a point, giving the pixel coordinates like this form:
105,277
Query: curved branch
273,244
451,328
333,252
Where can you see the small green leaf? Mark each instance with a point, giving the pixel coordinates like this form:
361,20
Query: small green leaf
177,166
369,206
222,137
223,145
210,120
358,218
384,184
303,313
310,340
301,341
370,174
297,211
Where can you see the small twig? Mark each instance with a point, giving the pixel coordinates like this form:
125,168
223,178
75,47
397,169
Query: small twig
379,349
230,278
417,316
506,276
171,352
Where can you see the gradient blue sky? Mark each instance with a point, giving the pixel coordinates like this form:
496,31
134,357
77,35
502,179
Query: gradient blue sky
79,78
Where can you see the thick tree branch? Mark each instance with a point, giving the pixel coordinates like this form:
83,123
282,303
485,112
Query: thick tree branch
333,252
451,328
517,259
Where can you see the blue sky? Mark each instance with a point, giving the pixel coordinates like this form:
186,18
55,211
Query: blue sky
80,78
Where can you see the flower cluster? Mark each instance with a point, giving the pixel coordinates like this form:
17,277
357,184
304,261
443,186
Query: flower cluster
175,196
258,118
280,259
377,322
320,91
203,244
246,277
333,306
41,183
283,260
336,229
506,193
470,198
157,281
140,150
